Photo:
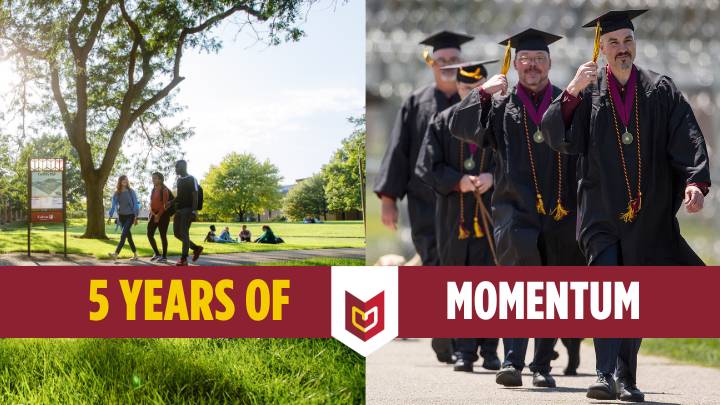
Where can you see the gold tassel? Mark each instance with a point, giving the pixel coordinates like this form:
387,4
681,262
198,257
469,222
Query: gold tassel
427,58
506,59
596,47
463,233
559,212
476,225
631,213
539,205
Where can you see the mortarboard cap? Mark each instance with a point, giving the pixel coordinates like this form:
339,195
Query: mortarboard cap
615,20
446,39
471,72
531,40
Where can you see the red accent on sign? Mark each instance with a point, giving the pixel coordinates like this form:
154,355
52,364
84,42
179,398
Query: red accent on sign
47,216
365,319
674,302
55,302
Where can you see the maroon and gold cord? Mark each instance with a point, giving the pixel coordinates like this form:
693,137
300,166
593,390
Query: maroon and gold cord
463,233
634,204
559,212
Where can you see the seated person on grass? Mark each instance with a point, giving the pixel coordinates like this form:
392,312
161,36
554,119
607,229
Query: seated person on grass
268,236
225,236
245,235
210,237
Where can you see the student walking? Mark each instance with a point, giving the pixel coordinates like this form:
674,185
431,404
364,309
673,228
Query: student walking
159,218
125,201
187,202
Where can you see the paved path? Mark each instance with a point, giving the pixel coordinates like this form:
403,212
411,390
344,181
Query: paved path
406,371
224,259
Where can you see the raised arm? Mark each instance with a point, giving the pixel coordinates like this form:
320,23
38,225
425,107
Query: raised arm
566,122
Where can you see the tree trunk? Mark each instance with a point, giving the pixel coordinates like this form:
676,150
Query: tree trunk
95,228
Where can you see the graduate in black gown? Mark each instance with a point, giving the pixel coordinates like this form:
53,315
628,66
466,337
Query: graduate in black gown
455,170
396,178
533,204
642,155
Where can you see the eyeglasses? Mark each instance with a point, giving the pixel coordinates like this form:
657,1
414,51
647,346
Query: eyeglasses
538,60
446,62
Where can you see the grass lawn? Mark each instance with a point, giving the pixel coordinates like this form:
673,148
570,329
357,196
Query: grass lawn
319,261
49,238
253,371
704,352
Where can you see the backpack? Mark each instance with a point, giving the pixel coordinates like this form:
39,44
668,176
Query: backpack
200,197
170,211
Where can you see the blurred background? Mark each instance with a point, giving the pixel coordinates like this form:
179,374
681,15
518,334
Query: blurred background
678,38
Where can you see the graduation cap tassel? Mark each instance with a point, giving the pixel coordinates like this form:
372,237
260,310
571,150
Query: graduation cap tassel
559,212
427,58
539,205
596,47
506,59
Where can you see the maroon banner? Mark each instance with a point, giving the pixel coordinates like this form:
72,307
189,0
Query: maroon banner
165,302
643,302
46,216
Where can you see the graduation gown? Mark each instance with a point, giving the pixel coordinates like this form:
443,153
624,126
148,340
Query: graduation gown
522,235
397,178
439,166
673,153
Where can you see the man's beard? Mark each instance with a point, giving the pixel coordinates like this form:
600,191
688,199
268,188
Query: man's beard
628,63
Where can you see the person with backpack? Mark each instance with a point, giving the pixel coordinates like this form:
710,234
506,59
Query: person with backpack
161,210
125,201
188,202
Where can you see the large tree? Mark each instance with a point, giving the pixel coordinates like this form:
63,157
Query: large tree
110,66
307,198
345,173
241,186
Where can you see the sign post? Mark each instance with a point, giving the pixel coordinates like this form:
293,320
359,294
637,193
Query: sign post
46,195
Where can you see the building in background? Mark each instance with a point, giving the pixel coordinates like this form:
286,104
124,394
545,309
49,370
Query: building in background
677,38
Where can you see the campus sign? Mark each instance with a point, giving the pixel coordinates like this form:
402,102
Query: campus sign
46,193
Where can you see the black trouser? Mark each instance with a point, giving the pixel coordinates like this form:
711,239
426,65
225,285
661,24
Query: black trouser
181,229
126,221
573,349
466,348
615,355
162,225
516,348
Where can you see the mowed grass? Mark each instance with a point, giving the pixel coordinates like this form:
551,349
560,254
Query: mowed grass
319,261
49,238
180,371
704,352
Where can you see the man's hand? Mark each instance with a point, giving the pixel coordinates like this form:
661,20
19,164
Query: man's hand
497,83
389,213
587,73
136,221
156,218
694,199
468,183
485,181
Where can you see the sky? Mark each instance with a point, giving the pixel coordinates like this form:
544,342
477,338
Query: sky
286,103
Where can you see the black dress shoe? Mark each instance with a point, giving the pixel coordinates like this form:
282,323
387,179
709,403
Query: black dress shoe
569,371
629,392
491,363
509,376
603,388
463,365
543,380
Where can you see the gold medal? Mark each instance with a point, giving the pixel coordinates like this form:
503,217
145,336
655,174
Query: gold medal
469,164
538,137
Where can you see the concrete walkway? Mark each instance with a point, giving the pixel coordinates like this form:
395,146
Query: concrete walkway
406,372
224,259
